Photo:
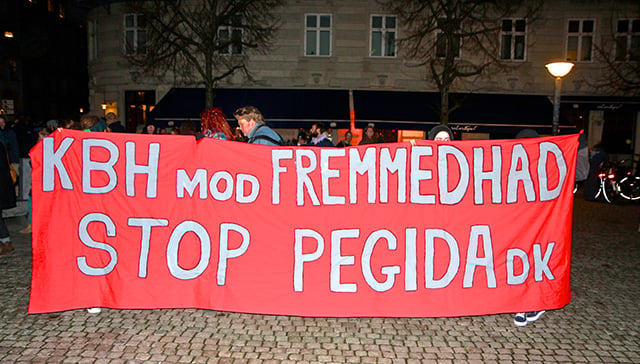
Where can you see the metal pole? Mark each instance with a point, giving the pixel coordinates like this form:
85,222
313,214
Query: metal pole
556,106
352,113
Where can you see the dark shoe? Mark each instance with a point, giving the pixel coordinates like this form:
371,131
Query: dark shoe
533,316
6,249
520,319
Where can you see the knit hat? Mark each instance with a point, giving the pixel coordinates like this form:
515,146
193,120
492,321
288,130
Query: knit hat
527,133
438,128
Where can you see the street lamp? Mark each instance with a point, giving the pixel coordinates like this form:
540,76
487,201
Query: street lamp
557,70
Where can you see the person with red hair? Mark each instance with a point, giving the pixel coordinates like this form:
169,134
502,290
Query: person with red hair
214,124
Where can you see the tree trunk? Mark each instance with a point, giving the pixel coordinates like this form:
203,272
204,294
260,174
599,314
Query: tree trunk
444,106
210,97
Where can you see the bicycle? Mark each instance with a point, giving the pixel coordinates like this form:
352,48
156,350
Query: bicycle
618,180
629,185
608,182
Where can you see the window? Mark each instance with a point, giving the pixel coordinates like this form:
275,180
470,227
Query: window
444,46
318,35
230,36
628,40
135,34
383,36
13,70
93,39
514,39
580,40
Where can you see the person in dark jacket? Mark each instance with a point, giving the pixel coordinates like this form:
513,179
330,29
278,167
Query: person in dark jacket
346,142
10,140
113,124
369,136
319,136
7,200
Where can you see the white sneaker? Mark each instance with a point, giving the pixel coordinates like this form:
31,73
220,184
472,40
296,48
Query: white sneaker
520,319
94,310
533,316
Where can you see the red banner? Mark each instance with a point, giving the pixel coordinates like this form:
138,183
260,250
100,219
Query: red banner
408,230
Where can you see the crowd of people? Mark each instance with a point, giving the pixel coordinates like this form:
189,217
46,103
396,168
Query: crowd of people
16,139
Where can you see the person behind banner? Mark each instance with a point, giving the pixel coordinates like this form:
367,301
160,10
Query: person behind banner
441,133
213,124
302,138
92,123
149,128
369,136
346,142
319,136
582,160
523,318
7,200
27,229
251,123
113,124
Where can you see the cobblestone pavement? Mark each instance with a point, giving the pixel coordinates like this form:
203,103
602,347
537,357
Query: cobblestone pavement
599,325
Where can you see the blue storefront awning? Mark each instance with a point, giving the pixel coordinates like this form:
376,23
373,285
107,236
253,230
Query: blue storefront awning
502,114
282,108
396,109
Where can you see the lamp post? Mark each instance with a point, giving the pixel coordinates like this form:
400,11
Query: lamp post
557,70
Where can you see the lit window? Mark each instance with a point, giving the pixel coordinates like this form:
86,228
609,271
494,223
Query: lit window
580,40
514,39
383,36
318,35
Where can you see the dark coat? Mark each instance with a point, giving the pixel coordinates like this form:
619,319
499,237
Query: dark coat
116,127
7,190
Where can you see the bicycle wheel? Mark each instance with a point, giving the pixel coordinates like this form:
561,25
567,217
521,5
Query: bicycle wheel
630,188
599,191
609,191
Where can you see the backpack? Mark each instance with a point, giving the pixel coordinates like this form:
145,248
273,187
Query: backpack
265,137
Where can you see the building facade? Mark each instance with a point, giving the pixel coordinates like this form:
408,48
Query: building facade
336,61
42,61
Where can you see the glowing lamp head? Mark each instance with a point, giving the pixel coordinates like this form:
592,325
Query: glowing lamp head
559,69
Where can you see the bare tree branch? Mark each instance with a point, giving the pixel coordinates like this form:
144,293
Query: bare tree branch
621,60
469,31
183,39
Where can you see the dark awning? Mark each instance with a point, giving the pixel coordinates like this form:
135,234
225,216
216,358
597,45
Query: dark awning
611,103
504,114
396,109
282,108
